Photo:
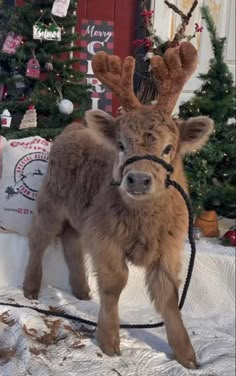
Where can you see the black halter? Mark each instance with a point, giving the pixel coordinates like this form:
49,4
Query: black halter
150,157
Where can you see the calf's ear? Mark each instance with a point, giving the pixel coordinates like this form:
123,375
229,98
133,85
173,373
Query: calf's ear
101,121
194,133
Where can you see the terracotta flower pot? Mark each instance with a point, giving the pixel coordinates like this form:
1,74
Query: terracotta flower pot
208,223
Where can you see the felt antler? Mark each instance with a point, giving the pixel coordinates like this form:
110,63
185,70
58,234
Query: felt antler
171,71
117,76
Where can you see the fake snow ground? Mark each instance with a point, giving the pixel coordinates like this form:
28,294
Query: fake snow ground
32,344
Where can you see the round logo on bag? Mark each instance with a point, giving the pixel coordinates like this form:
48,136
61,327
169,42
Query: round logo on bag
28,174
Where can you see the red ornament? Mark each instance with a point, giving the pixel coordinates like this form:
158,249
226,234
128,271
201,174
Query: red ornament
138,42
229,237
33,68
148,42
198,28
147,13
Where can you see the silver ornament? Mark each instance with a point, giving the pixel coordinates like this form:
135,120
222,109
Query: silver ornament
66,107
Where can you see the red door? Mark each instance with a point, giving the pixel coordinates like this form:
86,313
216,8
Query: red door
122,13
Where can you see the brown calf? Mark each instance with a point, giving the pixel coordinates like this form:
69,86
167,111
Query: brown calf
140,221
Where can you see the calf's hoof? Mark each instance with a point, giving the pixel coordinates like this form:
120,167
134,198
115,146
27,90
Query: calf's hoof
31,288
82,294
31,293
109,344
188,361
112,348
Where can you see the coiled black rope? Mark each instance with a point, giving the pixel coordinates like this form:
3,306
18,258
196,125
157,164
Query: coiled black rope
178,187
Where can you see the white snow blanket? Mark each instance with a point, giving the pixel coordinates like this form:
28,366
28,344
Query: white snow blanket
32,344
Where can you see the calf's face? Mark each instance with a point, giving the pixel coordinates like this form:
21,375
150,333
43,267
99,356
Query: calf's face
142,132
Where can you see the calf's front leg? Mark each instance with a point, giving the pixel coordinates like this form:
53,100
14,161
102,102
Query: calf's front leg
163,290
112,275
74,257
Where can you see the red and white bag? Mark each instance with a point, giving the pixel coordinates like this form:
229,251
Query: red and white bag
23,164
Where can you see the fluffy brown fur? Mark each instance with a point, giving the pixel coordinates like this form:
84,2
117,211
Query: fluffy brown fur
78,201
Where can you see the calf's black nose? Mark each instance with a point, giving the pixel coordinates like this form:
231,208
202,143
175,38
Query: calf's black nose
138,182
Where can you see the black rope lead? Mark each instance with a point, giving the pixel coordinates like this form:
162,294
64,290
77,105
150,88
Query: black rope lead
190,237
178,187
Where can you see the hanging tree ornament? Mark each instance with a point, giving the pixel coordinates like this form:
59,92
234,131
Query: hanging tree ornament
11,43
49,66
60,8
19,81
29,119
43,31
33,67
6,119
65,106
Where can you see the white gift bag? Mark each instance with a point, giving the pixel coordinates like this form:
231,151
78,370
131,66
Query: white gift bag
23,163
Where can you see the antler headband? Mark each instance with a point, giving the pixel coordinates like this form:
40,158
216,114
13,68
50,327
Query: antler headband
171,71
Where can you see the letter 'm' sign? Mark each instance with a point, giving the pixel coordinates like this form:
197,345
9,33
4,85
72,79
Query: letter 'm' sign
96,36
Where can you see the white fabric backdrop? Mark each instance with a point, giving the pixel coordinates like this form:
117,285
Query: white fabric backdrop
209,314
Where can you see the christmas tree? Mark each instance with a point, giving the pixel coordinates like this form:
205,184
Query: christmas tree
39,67
212,171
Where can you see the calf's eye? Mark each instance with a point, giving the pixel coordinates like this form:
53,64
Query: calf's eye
167,149
121,146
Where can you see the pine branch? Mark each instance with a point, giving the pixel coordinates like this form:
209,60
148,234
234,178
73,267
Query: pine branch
217,43
211,27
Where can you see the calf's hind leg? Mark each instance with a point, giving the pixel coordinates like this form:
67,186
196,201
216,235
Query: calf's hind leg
74,258
44,230
163,289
